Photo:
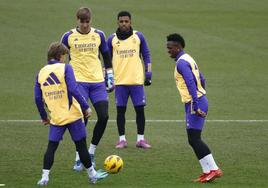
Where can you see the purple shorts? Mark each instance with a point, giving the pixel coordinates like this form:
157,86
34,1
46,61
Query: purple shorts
76,129
94,91
193,121
136,92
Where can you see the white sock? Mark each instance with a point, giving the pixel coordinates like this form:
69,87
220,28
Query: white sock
123,137
77,156
204,165
140,137
45,173
91,171
91,149
211,162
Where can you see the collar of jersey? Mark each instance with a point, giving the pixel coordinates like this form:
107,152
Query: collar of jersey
52,62
82,33
179,55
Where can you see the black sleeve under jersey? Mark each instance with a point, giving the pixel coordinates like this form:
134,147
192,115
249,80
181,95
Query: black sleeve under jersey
107,60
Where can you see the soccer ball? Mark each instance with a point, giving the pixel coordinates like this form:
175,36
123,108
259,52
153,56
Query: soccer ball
113,164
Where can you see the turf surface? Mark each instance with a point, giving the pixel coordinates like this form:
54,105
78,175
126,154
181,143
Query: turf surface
228,39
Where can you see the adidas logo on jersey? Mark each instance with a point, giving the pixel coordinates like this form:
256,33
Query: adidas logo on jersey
118,43
51,80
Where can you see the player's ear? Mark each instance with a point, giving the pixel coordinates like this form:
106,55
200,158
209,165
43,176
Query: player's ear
178,46
63,58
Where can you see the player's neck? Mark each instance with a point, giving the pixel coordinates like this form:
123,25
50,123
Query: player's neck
83,31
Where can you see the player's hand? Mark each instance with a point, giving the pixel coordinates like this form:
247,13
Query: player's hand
46,121
87,113
148,78
201,113
147,82
109,80
197,110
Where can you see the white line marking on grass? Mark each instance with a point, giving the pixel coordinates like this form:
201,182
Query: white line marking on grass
152,121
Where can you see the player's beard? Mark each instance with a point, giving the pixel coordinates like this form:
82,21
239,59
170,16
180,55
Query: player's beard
124,29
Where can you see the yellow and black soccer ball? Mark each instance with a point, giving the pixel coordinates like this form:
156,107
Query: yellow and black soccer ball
113,164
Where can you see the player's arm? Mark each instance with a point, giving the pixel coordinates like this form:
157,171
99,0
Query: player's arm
145,52
105,52
107,62
202,80
184,68
39,102
64,39
73,89
110,46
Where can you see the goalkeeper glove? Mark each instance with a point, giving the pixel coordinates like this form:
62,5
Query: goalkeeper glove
109,79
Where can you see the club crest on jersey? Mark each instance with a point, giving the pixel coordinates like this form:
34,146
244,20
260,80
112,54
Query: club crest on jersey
76,39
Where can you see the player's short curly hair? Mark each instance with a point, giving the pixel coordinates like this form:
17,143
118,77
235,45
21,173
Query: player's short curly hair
83,13
56,50
175,37
123,13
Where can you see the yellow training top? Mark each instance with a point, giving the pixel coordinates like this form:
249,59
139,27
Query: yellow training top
55,94
180,82
127,64
84,54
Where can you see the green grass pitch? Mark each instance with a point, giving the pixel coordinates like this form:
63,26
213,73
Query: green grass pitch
228,39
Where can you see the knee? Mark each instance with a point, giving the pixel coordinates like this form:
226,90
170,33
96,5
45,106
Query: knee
194,137
80,144
52,147
103,117
121,110
193,141
139,109
102,110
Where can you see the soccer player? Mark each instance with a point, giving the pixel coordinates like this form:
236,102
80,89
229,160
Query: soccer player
56,88
191,85
85,44
126,47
